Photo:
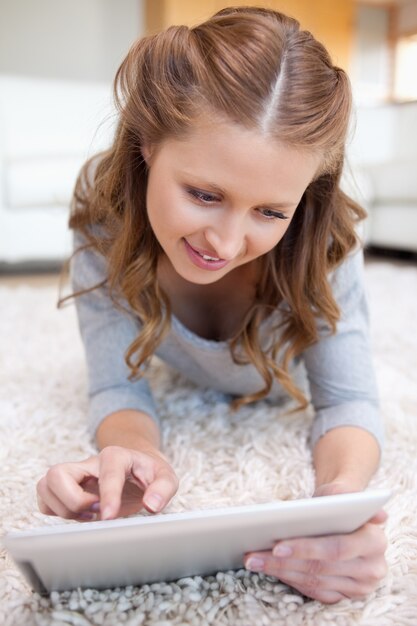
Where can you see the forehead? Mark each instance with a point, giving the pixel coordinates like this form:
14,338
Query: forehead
238,159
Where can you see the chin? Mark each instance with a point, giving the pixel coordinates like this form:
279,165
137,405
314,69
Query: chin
202,280
200,277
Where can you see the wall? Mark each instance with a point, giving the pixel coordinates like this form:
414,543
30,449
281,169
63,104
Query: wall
331,22
407,18
67,39
370,67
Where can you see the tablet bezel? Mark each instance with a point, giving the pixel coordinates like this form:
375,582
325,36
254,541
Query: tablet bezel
173,545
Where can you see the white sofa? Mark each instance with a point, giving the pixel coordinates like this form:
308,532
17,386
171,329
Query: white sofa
388,192
392,204
383,155
47,130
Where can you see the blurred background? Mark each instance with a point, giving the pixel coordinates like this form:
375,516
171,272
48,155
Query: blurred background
57,62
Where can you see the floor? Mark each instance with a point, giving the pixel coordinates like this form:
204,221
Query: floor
32,280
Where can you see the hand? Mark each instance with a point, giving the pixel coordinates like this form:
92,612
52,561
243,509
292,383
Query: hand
116,482
332,567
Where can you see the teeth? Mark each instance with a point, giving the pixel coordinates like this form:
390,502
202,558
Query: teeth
209,258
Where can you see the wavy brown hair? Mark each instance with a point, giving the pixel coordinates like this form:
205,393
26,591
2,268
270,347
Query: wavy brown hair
257,68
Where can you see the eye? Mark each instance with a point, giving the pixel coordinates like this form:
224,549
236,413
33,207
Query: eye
203,196
269,214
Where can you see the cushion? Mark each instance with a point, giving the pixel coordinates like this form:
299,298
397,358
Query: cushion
40,181
394,180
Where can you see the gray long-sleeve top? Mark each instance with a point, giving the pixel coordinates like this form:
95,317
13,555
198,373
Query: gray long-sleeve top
340,376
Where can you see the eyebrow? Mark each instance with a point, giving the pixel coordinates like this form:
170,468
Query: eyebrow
207,185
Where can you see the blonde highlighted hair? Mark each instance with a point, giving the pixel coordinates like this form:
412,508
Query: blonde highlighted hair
257,68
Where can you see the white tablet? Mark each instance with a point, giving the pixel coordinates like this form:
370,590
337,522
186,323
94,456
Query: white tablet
165,547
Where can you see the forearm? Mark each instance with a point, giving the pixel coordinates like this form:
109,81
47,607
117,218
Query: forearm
347,454
129,429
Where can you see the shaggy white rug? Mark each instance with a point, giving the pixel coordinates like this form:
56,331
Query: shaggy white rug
221,459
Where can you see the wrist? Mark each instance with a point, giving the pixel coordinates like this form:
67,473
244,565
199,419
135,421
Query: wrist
340,484
346,455
129,429
347,477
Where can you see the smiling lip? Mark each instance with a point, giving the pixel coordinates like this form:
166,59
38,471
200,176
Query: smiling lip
196,257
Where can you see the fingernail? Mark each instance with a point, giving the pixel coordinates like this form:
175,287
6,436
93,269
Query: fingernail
153,501
87,517
95,507
282,550
107,512
255,564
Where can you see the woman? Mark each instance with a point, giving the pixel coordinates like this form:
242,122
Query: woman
214,233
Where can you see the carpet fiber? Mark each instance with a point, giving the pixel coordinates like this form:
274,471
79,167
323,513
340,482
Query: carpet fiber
221,459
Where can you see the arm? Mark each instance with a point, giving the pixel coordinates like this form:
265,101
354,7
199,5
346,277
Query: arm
347,433
130,429
130,472
106,332
346,439
346,455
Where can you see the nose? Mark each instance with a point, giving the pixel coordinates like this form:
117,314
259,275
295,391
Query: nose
227,236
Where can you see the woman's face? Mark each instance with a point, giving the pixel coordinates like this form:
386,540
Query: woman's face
223,197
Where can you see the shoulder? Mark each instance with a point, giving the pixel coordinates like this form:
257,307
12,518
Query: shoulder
349,270
89,267
348,284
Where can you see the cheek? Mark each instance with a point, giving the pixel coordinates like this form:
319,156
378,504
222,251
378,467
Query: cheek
169,214
159,204
266,241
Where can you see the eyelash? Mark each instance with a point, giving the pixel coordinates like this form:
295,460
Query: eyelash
203,196
208,198
274,215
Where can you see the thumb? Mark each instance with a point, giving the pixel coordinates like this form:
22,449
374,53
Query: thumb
159,493
379,518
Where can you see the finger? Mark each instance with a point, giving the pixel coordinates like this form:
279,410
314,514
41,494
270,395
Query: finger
313,582
115,466
44,509
367,540
324,596
61,511
158,480
49,503
64,482
369,569
318,587
160,491
379,518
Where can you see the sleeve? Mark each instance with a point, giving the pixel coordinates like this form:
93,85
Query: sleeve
339,367
106,333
